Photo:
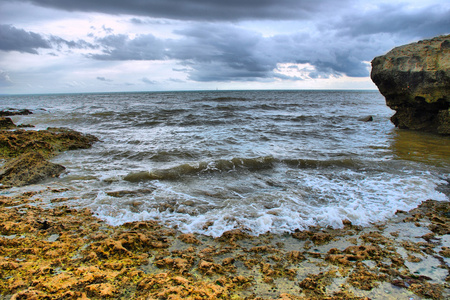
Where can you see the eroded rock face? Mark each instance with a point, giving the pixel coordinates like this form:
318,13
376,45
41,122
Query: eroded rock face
415,80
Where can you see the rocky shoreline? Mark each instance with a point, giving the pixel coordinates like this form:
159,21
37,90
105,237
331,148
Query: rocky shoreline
51,251
62,253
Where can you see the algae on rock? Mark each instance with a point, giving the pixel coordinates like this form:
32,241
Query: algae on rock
27,169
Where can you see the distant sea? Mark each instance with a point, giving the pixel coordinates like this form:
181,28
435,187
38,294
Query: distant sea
262,161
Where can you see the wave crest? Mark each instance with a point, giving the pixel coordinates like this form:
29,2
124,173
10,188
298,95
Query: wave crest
236,164
252,164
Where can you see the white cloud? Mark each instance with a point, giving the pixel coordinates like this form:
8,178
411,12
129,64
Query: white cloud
5,80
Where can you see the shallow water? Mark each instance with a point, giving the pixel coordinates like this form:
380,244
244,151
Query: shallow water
208,162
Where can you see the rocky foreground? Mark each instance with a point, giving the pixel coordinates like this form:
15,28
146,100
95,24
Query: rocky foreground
62,253
51,251
415,80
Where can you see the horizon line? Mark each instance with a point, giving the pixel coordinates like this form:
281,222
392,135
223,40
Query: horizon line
186,91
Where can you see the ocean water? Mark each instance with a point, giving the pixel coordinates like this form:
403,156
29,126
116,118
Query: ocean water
262,161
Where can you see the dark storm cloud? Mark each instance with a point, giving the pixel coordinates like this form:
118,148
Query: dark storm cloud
219,52
14,39
210,52
222,52
200,9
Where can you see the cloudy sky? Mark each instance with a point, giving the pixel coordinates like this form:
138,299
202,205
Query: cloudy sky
57,46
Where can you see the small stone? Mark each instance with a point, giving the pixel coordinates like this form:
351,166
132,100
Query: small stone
366,119
189,238
53,238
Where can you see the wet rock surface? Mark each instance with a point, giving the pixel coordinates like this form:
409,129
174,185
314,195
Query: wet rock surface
46,142
26,153
415,80
62,253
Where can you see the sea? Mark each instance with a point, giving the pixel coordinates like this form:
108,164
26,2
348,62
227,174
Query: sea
260,161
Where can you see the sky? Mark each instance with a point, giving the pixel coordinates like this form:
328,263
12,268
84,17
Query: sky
67,46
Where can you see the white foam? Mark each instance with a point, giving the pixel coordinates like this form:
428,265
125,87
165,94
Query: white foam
373,199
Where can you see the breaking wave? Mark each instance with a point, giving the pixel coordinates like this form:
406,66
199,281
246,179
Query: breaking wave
237,164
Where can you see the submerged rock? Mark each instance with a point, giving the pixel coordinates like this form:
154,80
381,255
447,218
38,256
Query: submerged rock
415,80
27,169
16,112
366,119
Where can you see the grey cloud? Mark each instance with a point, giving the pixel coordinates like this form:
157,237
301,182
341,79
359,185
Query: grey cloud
176,80
121,47
228,53
136,21
220,52
147,81
342,63
201,9
217,71
14,39
80,44
103,79
213,52
107,29
286,77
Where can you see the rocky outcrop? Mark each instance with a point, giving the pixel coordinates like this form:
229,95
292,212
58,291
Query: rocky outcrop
26,153
46,142
28,169
415,80
15,112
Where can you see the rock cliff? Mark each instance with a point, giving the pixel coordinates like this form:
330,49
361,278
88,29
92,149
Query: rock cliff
415,80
